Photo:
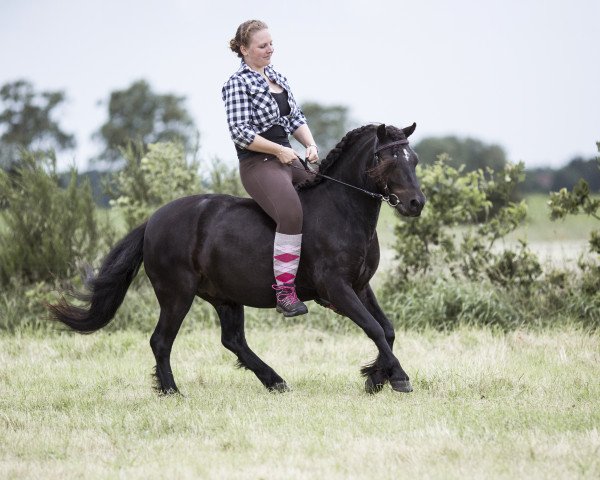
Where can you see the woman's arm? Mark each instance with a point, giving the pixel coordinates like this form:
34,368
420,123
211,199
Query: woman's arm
238,108
285,155
304,136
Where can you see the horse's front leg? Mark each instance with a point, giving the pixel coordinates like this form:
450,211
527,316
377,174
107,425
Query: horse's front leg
375,375
386,366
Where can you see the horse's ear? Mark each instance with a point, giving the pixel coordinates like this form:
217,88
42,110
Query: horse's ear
381,132
408,131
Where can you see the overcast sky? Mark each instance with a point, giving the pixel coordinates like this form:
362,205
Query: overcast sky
521,73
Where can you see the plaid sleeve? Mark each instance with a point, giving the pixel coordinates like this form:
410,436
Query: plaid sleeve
239,110
297,119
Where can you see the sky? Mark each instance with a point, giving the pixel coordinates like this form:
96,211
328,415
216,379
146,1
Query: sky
524,74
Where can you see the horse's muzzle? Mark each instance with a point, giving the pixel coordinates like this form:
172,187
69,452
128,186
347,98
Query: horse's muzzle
411,206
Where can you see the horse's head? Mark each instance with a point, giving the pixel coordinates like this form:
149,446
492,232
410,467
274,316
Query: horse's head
394,169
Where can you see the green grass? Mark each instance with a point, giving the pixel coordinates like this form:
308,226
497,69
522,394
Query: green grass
485,405
539,227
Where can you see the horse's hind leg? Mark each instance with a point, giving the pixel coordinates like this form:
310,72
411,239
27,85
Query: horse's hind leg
234,339
174,306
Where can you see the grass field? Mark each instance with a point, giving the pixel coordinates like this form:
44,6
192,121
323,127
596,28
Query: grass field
539,227
523,404
485,405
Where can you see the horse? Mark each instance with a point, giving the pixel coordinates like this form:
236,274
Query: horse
219,248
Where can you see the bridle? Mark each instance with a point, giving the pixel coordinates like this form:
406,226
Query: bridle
391,199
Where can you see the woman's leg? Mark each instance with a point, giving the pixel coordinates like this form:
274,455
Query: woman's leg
270,184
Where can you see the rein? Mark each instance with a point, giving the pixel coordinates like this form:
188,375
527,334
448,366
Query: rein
389,199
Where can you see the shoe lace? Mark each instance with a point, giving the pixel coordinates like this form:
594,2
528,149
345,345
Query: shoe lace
286,294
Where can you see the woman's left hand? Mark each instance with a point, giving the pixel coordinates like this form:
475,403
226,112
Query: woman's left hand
312,153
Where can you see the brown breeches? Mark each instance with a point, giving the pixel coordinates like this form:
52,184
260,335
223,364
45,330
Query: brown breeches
271,184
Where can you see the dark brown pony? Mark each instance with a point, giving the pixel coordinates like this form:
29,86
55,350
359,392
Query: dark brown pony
219,248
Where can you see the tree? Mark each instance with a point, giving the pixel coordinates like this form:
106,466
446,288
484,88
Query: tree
26,121
328,124
139,115
569,175
545,179
471,153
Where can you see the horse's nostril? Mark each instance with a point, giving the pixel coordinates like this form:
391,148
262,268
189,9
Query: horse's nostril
415,204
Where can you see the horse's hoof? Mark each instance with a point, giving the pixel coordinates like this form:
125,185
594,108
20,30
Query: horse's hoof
279,387
169,392
371,387
401,386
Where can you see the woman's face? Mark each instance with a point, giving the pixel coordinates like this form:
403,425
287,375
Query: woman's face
258,53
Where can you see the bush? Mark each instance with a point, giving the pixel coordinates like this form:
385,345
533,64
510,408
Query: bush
451,232
46,227
444,303
147,182
575,202
450,273
225,179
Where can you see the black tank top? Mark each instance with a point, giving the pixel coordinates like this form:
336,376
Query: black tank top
276,133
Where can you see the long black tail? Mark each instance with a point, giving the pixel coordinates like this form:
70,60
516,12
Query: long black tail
107,289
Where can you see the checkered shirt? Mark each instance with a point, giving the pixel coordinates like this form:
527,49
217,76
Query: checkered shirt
252,110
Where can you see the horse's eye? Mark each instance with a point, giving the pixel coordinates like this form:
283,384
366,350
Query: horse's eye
395,156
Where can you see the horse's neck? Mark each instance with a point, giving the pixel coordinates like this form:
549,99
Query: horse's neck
351,166
358,207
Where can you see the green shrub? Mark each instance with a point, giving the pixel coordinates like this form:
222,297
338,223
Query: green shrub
147,182
518,268
575,202
457,231
443,302
452,273
224,179
47,228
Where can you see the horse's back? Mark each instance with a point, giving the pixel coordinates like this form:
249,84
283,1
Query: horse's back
188,216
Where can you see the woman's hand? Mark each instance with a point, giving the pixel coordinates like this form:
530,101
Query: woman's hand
312,153
286,155
303,135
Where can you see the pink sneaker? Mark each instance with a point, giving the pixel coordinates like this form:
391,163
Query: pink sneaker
288,302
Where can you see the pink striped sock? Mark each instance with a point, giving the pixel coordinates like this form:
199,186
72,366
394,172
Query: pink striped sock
286,257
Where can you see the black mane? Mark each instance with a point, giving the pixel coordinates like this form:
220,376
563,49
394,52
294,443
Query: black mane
344,143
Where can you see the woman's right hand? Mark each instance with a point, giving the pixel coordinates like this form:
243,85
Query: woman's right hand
286,155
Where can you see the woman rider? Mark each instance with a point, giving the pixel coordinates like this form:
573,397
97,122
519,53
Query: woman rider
261,112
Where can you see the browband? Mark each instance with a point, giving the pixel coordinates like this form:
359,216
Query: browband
404,141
